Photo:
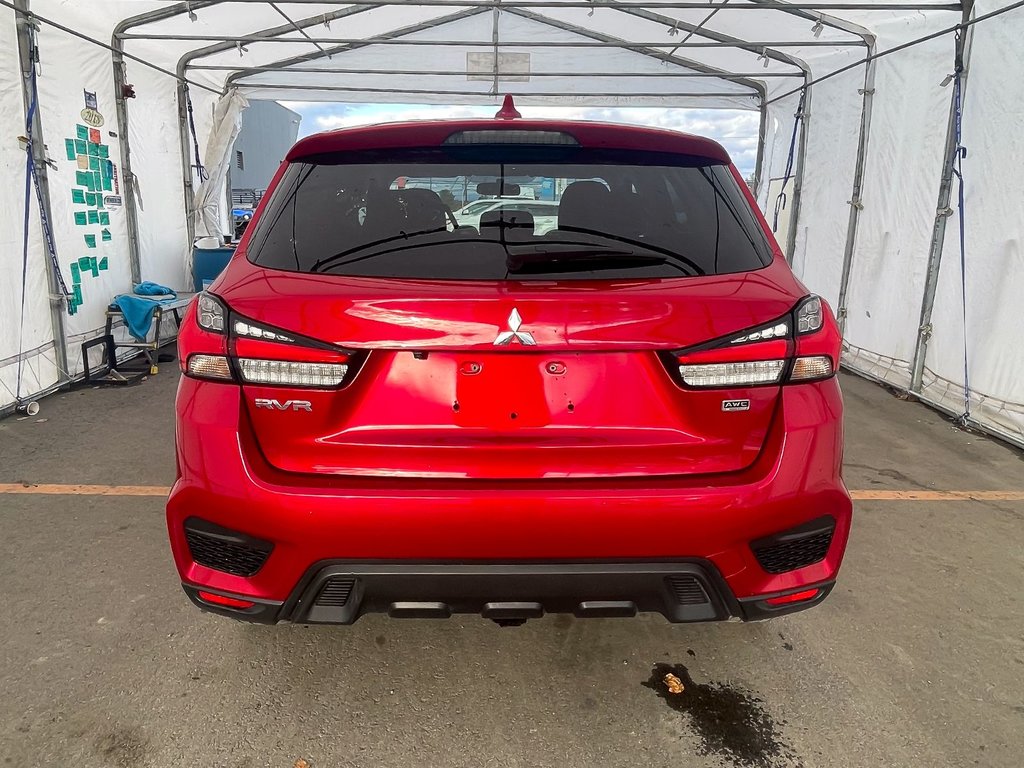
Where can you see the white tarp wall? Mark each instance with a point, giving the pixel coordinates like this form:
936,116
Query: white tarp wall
994,191
901,174
27,337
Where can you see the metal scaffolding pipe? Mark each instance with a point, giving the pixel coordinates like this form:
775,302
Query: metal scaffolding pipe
26,53
868,92
962,55
669,4
758,44
462,72
487,92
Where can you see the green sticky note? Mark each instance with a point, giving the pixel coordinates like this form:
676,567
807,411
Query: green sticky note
94,266
80,218
105,219
97,180
94,217
69,147
94,149
105,235
103,264
80,147
104,151
76,275
94,163
82,132
82,178
99,200
83,263
107,184
78,294
78,196
90,198
90,241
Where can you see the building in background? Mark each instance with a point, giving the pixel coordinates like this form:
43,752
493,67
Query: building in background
268,132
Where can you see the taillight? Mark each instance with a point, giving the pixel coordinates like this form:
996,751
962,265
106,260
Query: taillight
223,346
800,347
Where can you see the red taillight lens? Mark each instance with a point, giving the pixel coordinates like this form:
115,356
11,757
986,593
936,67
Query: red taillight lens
796,597
769,354
225,601
217,345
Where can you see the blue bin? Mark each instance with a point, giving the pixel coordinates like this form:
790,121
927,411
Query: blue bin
207,263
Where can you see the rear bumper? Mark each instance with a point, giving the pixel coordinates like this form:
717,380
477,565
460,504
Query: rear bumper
341,592
313,524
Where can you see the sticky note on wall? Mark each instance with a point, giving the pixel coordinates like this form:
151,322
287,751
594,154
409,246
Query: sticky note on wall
69,147
90,241
80,218
78,196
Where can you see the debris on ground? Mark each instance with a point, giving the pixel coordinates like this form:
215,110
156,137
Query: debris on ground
673,683
300,763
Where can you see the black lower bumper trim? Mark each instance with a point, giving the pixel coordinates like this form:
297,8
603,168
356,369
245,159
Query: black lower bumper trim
509,591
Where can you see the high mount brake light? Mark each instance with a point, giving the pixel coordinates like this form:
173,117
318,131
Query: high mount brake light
768,354
549,138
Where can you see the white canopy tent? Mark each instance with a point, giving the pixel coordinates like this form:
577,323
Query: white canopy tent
864,106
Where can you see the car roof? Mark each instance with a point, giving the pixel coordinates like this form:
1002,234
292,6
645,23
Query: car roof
432,133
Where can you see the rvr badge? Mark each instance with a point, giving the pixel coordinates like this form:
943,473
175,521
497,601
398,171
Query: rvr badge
287,405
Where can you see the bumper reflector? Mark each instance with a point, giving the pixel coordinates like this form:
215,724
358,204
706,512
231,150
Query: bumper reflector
796,597
732,374
809,368
293,373
209,367
225,601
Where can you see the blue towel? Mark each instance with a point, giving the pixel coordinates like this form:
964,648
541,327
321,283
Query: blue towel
138,312
146,288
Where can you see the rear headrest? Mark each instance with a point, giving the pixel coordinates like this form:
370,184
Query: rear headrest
584,205
512,222
424,211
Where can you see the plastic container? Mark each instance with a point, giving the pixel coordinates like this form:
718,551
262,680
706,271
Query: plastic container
207,263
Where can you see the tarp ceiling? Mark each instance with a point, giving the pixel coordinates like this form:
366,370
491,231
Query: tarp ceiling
852,186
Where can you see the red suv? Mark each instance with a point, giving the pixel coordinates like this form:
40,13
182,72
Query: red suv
384,410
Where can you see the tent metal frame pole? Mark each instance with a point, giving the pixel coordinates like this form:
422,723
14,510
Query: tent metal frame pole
762,132
462,73
231,79
962,55
525,97
758,88
186,164
656,44
120,80
856,206
669,4
798,175
27,51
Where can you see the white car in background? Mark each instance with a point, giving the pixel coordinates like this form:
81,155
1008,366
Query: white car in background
544,212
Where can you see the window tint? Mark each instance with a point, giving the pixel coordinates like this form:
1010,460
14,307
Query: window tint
615,217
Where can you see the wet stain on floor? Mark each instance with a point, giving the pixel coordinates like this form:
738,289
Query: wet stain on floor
730,722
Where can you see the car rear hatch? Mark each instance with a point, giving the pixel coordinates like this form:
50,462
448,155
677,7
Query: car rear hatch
505,353
580,387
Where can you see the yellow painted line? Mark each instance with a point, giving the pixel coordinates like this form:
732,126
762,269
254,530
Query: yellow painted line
159,490
85,490
881,495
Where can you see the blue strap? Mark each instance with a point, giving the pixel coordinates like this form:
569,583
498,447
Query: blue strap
959,153
781,200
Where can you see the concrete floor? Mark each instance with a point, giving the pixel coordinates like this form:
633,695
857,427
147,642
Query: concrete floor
917,659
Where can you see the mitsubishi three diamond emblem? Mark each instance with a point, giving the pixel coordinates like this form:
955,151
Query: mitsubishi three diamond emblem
515,321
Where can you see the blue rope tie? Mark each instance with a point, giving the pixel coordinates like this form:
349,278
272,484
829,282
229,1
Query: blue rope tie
782,199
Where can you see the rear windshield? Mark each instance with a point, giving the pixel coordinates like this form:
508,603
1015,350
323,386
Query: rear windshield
499,212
